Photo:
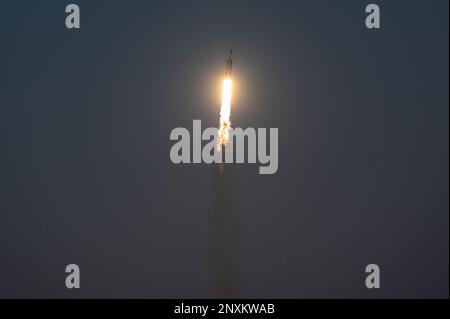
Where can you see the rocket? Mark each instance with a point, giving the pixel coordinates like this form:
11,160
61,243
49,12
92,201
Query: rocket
229,65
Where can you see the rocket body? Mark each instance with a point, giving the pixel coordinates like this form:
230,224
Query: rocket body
229,65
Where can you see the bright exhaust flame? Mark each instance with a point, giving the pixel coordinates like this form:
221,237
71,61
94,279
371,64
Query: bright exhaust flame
225,112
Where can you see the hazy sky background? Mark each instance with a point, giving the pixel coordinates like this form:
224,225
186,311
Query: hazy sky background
86,178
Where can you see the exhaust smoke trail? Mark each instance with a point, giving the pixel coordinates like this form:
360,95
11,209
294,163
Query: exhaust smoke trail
223,237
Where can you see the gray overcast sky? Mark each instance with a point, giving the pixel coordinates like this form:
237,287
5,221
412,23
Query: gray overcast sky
86,178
